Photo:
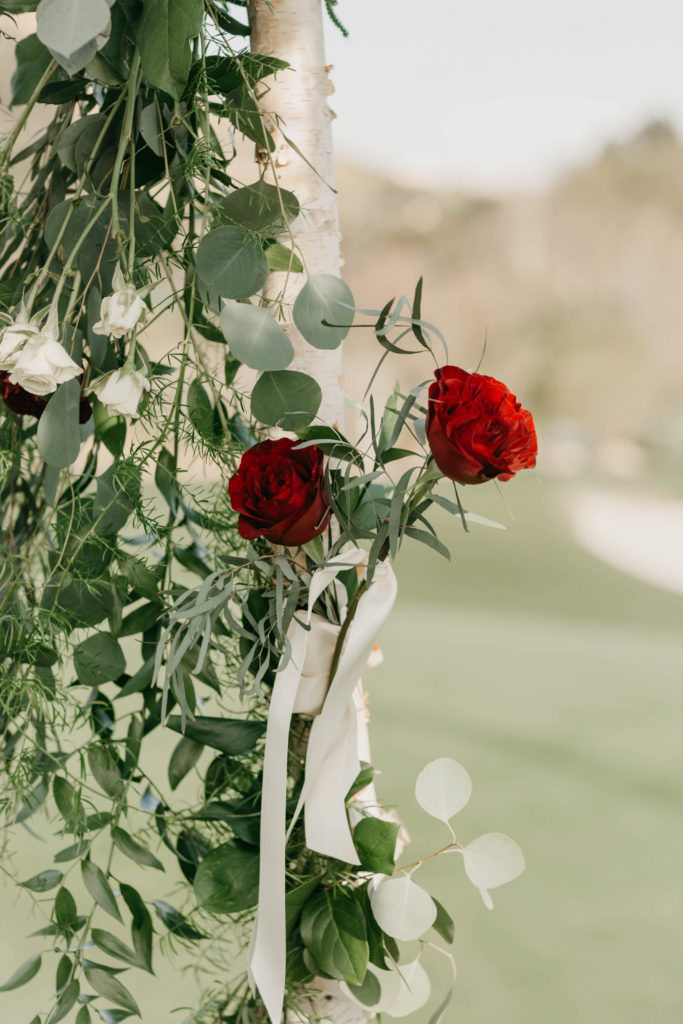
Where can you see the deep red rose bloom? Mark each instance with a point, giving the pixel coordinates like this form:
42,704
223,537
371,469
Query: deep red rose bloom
477,429
23,402
280,493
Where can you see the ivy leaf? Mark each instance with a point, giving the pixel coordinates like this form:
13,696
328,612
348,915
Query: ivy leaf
134,850
375,841
229,735
111,988
286,399
59,435
97,885
23,974
328,298
227,879
99,659
255,338
333,929
231,264
163,36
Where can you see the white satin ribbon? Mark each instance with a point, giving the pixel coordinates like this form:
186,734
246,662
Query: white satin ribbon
332,761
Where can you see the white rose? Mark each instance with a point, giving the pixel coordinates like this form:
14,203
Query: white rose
12,340
119,313
43,364
121,391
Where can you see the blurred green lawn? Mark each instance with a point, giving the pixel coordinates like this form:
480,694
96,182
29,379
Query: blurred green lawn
557,682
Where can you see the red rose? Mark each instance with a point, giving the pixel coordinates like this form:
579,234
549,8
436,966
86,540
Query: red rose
280,493
23,402
477,429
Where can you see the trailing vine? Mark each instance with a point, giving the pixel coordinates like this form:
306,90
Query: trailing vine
139,603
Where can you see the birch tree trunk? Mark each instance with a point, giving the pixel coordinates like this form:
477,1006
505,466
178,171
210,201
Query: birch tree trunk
297,101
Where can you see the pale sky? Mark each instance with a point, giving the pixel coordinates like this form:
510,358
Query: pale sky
496,94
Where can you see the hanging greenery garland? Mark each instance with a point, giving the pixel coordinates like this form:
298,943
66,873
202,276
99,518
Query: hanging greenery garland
138,603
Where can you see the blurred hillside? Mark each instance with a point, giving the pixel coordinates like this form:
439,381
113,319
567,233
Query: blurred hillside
577,290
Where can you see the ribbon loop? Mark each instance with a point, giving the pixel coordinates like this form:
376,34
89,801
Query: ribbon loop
332,762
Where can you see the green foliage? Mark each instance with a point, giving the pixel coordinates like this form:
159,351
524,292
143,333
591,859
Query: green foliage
286,398
227,879
334,932
163,35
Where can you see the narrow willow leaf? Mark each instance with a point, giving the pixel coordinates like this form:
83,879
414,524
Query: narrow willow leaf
97,885
135,850
65,909
108,943
141,927
443,923
23,974
229,735
175,922
44,881
402,908
65,1002
68,804
112,989
443,788
184,757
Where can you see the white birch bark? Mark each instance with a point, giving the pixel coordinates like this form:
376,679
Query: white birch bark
293,31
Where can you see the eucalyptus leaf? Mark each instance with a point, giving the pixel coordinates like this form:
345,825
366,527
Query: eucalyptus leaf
286,399
66,26
402,908
492,860
32,60
99,659
231,263
281,258
443,788
259,206
324,298
255,338
59,437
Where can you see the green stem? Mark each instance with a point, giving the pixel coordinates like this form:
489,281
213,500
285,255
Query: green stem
8,145
133,82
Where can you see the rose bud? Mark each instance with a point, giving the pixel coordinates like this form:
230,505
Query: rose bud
24,403
279,493
121,390
476,428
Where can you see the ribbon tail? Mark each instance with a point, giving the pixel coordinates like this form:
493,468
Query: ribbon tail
326,820
269,946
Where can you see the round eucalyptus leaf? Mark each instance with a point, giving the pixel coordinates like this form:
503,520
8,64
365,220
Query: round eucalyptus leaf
65,26
443,787
286,399
491,860
328,298
259,206
231,264
227,879
402,908
59,437
254,337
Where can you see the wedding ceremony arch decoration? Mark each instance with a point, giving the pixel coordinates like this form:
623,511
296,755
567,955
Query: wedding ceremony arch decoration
235,611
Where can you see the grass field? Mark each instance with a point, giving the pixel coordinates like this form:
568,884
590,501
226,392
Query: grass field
557,682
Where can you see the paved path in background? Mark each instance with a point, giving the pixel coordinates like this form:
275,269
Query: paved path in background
639,535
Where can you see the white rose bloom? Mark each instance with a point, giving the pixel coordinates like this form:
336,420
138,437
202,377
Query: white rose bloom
120,312
12,340
121,391
43,364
